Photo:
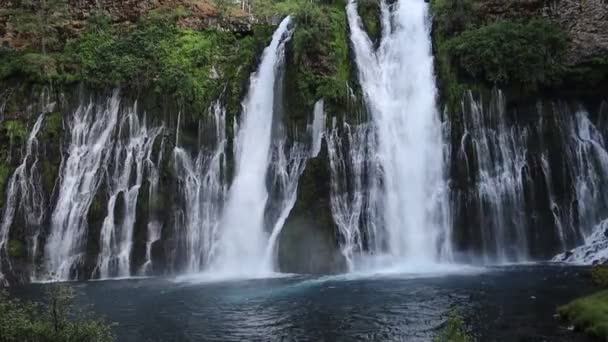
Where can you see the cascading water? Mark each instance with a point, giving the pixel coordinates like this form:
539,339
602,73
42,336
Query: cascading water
23,193
243,240
129,161
398,85
354,188
202,188
317,129
286,171
526,189
154,226
91,128
499,153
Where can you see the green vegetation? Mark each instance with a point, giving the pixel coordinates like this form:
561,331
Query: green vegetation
454,331
506,52
155,54
524,55
40,21
369,11
599,275
589,314
55,321
14,130
15,249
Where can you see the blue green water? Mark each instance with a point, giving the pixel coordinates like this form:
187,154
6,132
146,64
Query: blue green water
515,303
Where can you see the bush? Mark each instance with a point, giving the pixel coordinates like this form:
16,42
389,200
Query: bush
589,314
453,331
599,275
56,321
508,52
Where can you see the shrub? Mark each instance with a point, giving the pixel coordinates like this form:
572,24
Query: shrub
55,321
589,314
453,331
599,275
508,52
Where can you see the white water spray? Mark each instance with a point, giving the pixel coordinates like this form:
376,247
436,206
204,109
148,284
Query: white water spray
91,128
243,239
23,192
129,160
399,89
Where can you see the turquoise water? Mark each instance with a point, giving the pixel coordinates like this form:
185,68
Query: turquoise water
514,303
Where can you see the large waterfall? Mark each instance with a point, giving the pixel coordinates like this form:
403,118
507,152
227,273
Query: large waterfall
399,90
243,238
389,183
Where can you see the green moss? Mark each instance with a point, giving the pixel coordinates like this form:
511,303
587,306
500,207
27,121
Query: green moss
15,249
154,55
4,175
14,129
369,11
453,331
599,275
589,314
53,125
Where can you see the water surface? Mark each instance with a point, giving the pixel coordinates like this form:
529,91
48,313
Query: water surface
512,303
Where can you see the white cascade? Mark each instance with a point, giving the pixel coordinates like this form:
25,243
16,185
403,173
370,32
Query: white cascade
23,192
154,226
132,153
354,192
91,129
286,171
399,89
243,240
202,189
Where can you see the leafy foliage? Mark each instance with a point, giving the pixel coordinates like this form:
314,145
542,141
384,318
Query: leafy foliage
453,331
452,16
589,314
599,275
529,54
56,321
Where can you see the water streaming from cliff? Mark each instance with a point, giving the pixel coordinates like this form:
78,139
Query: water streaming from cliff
399,90
526,188
23,193
91,130
131,157
243,239
202,189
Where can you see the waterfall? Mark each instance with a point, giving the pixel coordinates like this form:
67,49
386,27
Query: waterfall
202,189
499,152
527,188
23,192
154,226
354,192
286,171
132,153
91,130
243,239
399,89
317,129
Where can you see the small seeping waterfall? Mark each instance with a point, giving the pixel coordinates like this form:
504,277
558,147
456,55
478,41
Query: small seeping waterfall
23,193
130,160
